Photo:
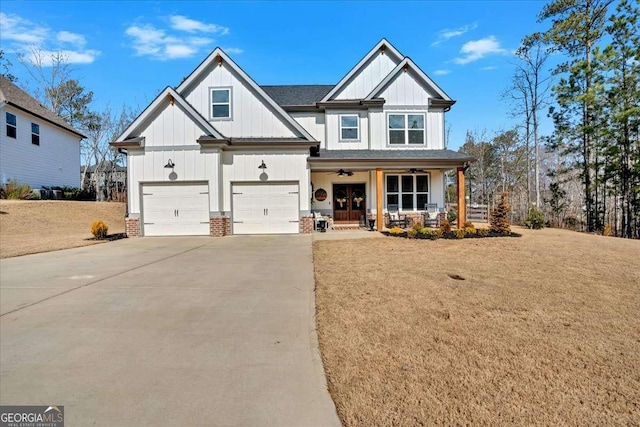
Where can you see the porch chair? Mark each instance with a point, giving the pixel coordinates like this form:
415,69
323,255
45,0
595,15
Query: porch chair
395,218
319,222
431,215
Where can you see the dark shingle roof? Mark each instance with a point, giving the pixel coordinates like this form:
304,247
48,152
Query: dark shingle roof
13,95
392,155
297,94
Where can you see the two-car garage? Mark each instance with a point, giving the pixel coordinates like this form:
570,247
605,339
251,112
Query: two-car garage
181,209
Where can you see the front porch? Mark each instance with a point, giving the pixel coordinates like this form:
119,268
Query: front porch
353,191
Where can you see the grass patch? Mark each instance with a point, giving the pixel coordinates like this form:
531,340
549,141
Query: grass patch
539,330
28,227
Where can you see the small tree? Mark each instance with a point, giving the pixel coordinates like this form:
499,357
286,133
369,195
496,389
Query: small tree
500,216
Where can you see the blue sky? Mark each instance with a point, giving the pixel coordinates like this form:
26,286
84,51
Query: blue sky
128,51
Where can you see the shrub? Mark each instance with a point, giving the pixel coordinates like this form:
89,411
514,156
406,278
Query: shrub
459,234
411,233
500,216
396,231
469,228
608,230
445,226
452,216
417,226
99,229
14,190
535,219
483,232
430,233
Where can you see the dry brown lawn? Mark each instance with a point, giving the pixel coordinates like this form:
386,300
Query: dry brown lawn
543,330
28,227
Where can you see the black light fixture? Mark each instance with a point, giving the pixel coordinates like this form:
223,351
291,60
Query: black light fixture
170,164
262,166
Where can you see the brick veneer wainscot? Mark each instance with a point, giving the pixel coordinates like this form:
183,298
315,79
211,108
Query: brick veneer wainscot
219,226
306,224
132,227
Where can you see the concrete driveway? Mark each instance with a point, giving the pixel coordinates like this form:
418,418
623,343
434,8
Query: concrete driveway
166,332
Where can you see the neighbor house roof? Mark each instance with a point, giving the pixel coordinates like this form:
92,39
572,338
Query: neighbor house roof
365,155
16,97
286,95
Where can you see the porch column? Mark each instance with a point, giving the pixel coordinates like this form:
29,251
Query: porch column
462,211
379,216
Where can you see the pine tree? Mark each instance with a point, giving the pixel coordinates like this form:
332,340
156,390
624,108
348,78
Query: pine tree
500,216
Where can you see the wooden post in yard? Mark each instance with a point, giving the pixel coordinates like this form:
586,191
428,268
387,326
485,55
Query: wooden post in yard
462,209
379,216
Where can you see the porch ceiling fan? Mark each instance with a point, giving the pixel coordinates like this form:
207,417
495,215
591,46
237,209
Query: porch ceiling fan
342,172
414,170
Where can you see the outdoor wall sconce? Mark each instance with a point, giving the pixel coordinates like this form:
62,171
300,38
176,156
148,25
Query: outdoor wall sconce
262,166
169,165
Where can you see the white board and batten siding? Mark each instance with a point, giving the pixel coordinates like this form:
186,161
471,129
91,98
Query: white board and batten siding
55,162
171,135
251,115
175,209
313,122
283,165
376,69
265,208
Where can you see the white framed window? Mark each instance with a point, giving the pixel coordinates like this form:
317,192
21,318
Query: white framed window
349,127
410,192
35,133
220,103
12,129
406,128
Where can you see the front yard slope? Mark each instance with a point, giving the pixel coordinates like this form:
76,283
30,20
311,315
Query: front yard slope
538,330
28,227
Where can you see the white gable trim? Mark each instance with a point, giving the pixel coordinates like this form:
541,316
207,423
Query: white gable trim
212,57
360,65
154,108
407,62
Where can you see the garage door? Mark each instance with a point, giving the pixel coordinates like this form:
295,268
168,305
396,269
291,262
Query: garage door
265,208
175,209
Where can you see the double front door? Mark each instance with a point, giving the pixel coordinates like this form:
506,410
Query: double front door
349,203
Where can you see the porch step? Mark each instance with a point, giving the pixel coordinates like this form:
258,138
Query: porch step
339,227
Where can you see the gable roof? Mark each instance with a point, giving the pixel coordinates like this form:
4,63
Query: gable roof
217,52
382,44
408,64
154,108
16,97
288,95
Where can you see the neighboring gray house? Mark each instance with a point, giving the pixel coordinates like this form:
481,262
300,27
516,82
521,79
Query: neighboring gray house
107,178
37,147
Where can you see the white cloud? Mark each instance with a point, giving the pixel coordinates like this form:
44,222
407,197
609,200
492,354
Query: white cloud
46,57
446,34
477,49
441,72
182,23
27,36
14,28
71,38
172,43
233,50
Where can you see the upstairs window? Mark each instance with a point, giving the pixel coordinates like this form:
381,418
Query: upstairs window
11,125
406,129
349,129
35,134
220,103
